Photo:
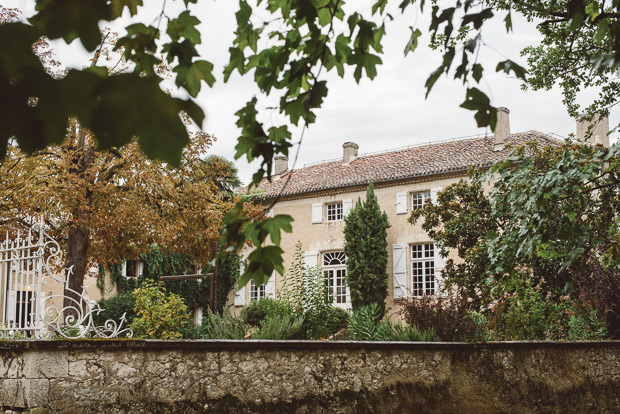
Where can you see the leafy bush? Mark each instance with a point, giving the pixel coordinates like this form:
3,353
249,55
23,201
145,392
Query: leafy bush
191,331
600,287
286,326
528,312
337,320
305,292
226,326
448,316
364,326
114,308
159,316
589,327
254,313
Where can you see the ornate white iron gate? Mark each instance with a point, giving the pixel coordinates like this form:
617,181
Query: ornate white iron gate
25,271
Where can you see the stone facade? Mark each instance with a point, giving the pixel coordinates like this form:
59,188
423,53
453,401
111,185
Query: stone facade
134,376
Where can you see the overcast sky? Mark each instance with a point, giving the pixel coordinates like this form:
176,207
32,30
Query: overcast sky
387,113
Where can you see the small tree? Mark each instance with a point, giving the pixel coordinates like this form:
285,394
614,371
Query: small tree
365,235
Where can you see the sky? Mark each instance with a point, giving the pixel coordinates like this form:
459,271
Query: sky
387,113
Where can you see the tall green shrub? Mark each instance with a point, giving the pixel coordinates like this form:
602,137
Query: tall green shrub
365,235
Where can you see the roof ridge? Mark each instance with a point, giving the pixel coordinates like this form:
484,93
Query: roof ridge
403,162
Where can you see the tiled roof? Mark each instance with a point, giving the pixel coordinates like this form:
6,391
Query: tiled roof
411,162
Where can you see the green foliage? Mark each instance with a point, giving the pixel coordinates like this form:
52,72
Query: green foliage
552,210
159,316
278,326
191,331
586,328
114,308
365,235
304,291
238,229
287,46
257,311
366,325
225,326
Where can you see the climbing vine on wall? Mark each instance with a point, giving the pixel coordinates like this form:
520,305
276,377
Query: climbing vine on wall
160,263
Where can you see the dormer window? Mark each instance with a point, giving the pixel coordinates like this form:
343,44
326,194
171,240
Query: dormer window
334,211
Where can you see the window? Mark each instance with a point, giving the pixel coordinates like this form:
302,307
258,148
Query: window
335,276
423,269
334,211
132,268
256,292
418,199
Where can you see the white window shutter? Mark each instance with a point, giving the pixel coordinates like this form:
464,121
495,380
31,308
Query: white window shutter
240,293
347,203
240,296
401,203
11,306
434,192
311,258
317,213
270,287
399,267
439,265
124,269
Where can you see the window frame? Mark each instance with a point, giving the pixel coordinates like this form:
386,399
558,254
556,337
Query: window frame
422,269
426,195
337,279
257,292
339,213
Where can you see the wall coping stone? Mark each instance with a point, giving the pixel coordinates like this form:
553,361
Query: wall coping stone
269,345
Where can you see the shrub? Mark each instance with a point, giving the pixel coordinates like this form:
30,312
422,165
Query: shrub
158,316
286,326
257,311
448,316
526,312
191,331
225,326
600,287
114,308
586,328
365,326
337,320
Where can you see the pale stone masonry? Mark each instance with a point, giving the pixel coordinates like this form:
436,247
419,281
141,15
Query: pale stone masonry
138,376
319,197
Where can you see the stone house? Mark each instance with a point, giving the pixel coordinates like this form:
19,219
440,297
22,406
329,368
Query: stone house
319,196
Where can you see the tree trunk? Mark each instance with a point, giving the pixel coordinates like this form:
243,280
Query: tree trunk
77,248
79,230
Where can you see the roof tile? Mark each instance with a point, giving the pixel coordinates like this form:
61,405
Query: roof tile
397,165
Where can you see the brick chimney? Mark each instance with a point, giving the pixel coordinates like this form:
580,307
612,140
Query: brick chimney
349,152
502,129
281,164
593,132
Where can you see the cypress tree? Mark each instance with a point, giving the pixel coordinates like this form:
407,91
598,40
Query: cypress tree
365,235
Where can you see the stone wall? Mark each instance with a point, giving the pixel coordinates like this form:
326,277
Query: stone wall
116,376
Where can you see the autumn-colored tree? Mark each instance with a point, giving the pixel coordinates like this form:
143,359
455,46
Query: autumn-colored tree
104,206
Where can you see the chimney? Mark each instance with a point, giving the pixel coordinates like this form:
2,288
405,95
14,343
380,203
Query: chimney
593,132
502,129
349,152
281,164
